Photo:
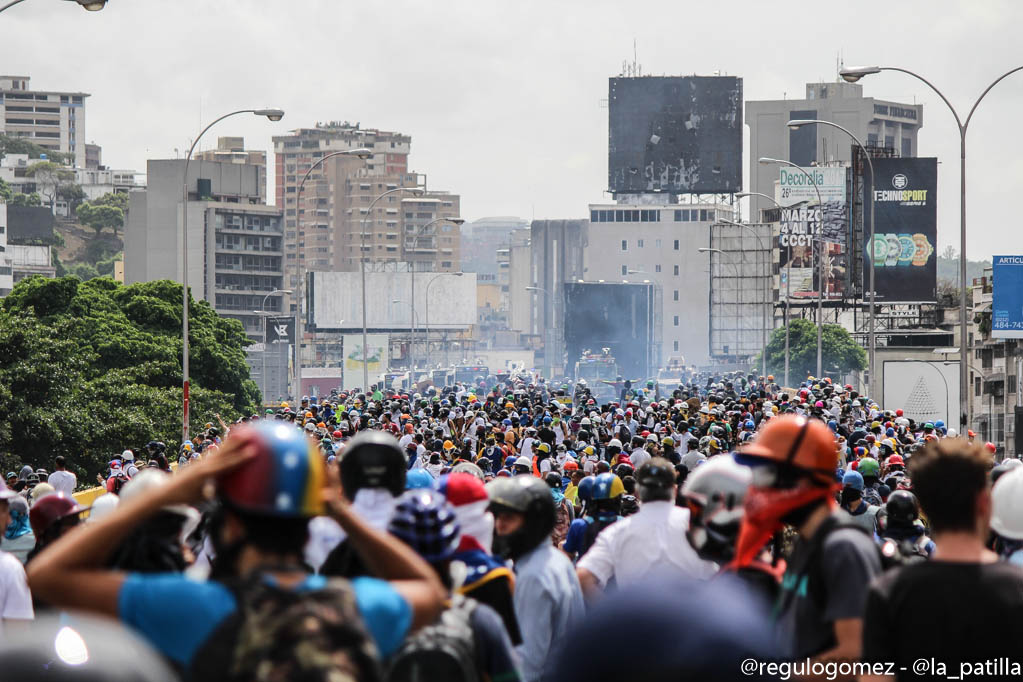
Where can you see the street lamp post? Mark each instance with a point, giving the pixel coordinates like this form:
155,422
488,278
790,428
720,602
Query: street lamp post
820,263
87,5
362,268
871,335
738,281
362,153
763,310
262,312
412,277
426,324
549,333
273,115
854,74
411,366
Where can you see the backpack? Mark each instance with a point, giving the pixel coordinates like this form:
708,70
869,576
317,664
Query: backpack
445,650
280,634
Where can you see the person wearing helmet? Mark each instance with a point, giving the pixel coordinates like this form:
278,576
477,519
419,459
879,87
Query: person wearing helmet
373,474
270,480
851,500
794,459
603,507
964,577
898,525
15,597
469,635
870,470
51,517
645,543
548,599
1007,515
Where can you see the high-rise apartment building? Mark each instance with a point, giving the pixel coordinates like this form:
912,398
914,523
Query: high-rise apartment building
51,119
877,123
232,150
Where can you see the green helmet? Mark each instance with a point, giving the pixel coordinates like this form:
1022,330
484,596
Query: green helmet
868,466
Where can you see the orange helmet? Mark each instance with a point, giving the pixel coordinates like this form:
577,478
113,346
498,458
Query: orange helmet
803,443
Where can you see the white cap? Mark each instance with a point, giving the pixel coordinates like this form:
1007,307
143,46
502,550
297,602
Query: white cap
128,455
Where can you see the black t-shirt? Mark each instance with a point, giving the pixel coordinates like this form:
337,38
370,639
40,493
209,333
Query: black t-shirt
826,580
947,611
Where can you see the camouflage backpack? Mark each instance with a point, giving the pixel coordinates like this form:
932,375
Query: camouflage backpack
281,635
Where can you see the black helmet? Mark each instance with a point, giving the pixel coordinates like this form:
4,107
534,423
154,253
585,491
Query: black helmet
81,648
529,496
656,472
373,460
902,508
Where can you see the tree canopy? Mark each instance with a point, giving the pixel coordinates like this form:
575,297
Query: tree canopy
99,216
19,145
840,354
88,369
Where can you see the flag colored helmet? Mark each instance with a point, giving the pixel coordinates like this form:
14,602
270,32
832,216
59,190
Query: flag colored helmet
425,521
285,478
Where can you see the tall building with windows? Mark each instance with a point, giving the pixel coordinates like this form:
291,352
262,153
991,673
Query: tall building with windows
232,150
877,123
49,118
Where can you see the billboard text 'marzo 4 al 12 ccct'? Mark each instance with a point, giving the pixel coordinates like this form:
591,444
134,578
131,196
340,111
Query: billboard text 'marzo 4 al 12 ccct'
677,134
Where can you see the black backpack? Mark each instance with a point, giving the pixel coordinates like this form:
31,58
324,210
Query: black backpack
445,650
280,634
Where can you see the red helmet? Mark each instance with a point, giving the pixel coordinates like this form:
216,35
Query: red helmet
895,460
571,465
991,447
898,413
49,510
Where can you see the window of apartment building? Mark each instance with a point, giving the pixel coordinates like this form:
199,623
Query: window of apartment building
675,295
625,245
889,141
676,246
639,243
657,268
985,358
999,350
907,147
675,346
657,243
676,320
445,264
625,270
976,386
1010,386
676,271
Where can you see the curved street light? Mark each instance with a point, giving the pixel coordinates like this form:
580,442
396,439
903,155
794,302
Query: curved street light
853,74
273,115
362,153
795,124
87,5
820,274
416,191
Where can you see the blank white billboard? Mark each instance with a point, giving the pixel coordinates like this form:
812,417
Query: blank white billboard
336,300
924,391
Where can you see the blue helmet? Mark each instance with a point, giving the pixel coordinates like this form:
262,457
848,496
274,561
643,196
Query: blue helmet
939,424
586,488
607,486
547,419
833,425
852,479
425,521
418,478
749,425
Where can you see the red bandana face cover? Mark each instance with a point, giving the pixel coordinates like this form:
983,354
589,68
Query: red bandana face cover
764,510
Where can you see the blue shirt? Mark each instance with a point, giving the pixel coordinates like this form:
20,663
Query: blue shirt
177,614
548,605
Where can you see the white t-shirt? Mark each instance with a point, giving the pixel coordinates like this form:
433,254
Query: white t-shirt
15,597
63,482
649,542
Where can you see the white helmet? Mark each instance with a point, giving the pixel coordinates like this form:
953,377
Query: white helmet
951,433
615,443
1007,505
128,456
103,506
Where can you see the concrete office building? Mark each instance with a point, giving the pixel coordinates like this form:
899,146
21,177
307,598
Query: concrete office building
516,263
659,242
557,248
49,118
235,242
479,238
232,150
877,123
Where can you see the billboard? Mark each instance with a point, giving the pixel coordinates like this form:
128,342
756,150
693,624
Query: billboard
377,350
905,206
1007,297
806,222
280,330
680,134
335,300
621,317
924,390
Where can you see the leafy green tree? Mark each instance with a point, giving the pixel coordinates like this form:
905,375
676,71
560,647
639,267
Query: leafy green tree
50,178
116,199
840,354
99,216
73,194
19,145
90,368
20,199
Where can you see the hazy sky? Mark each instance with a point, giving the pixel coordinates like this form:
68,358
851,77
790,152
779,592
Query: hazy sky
503,99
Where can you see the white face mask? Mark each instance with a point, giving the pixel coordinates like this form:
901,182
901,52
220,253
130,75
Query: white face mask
479,526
